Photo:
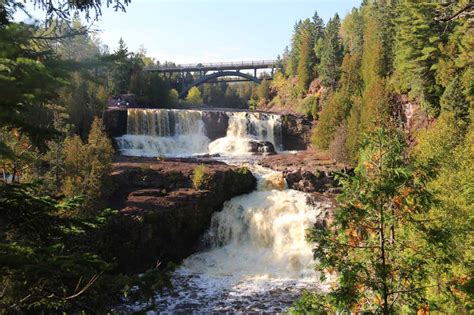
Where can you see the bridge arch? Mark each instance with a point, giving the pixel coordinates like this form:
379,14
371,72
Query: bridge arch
216,75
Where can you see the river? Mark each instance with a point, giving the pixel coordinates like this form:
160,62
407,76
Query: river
254,257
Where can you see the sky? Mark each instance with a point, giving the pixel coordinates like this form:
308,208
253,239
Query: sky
194,31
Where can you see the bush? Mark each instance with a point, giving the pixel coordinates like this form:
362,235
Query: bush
87,168
200,178
309,106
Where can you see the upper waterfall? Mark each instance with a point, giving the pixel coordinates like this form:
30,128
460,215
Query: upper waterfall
173,132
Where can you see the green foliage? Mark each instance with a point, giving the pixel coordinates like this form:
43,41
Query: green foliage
333,113
372,246
49,264
194,96
453,100
306,62
331,54
451,152
200,177
87,168
418,34
173,97
310,106
263,90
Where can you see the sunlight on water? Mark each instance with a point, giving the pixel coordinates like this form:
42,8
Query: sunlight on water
256,256
180,133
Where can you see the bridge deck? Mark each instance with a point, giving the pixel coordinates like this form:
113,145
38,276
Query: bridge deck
239,65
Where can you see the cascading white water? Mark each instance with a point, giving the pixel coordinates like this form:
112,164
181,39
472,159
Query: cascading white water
257,260
171,132
245,127
155,132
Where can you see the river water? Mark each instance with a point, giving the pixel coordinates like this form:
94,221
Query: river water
254,257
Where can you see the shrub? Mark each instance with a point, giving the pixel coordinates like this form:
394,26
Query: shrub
87,168
309,106
200,178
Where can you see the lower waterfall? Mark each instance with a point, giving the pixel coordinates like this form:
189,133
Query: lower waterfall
256,257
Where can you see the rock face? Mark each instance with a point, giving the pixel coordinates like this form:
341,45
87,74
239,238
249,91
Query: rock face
115,122
162,216
296,132
308,171
216,124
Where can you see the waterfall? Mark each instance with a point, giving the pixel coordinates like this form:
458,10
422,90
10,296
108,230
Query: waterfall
155,132
260,235
246,127
172,132
256,258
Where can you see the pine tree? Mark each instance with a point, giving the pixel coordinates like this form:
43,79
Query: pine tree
331,54
373,243
418,35
306,62
453,100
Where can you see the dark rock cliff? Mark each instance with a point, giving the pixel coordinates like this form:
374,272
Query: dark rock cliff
296,132
162,216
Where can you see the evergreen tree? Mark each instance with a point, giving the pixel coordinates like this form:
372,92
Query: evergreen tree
418,35
453,100
294,55
331,54
306,62
373,243
87,168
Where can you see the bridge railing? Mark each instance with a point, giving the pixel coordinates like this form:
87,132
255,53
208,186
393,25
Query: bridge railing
197,66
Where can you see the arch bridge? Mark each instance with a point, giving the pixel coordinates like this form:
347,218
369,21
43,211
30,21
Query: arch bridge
196,74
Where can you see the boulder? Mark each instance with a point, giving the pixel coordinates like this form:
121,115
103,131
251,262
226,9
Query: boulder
261,147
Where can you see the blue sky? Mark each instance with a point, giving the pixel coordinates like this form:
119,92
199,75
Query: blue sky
192,31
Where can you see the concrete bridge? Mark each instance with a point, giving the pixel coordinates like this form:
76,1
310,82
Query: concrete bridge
196,74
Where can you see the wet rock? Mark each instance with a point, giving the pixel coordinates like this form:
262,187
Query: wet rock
309,182
161,215
296,132
115,122
261,147
307,171
216,124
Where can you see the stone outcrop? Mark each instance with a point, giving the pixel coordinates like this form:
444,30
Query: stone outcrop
115,122
296,132
308,171
261,147
162,216
216,124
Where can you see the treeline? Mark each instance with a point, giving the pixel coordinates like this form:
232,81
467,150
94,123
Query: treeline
392,89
